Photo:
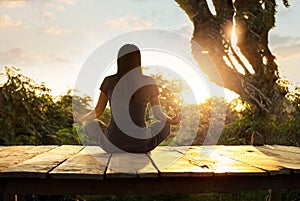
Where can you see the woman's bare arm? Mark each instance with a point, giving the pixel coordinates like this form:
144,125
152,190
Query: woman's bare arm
160,115
100,107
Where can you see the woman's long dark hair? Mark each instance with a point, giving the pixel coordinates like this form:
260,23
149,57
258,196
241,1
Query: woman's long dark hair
129,57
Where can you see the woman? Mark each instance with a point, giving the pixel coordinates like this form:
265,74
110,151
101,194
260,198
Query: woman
128,93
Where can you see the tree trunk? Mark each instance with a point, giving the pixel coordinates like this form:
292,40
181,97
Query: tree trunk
252,19
1,99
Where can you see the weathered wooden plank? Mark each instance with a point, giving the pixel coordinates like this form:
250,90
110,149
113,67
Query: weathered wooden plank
172,163
295,150
12,152
253,157
39,166
284,159
211,157
128,165
12,155
89,163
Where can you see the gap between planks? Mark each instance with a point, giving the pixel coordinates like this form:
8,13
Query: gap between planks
40,165
89,163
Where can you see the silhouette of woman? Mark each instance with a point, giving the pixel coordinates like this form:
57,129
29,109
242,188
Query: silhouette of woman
128,93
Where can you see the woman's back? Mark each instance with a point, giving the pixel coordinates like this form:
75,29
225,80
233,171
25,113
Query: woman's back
128,98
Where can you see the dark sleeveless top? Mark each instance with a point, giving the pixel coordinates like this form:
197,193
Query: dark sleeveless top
137,103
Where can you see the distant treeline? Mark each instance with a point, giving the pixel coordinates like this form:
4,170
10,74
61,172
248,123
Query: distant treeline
29,114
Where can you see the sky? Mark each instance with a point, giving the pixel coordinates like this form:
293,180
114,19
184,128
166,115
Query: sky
51,40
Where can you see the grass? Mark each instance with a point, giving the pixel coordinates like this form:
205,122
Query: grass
287,195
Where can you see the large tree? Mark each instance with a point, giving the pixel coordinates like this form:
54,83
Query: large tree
254,77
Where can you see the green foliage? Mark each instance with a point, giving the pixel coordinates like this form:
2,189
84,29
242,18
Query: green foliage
287,195
169,99
282,126
243,119
30,115
169,90
211,113
105,117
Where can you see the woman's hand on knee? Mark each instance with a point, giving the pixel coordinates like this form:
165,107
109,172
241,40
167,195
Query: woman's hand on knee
77,117
175,120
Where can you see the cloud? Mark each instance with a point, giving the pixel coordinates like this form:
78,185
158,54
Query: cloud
7,21
13,4
46,15
287,52
19,57
15,56
60,58
26,27
140,24
285,47
186,29
131,21
55,31
70,2
117,22
59,8
279,40
57,5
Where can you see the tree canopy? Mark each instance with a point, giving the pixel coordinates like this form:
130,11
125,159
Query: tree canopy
31,115
256,77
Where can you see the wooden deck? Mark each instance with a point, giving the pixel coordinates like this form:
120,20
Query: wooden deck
89,170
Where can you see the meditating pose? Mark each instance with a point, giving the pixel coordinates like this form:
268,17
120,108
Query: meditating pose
128,93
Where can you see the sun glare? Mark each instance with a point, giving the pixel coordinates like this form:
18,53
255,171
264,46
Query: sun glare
238,52
176,68
196,88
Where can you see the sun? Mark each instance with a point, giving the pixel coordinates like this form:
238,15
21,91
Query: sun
174,67
196,86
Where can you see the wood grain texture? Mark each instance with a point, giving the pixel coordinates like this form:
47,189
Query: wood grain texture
66,162
89,163
212,158
285,159
252,156
39,166
172,163
128,165
295,150
13,155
